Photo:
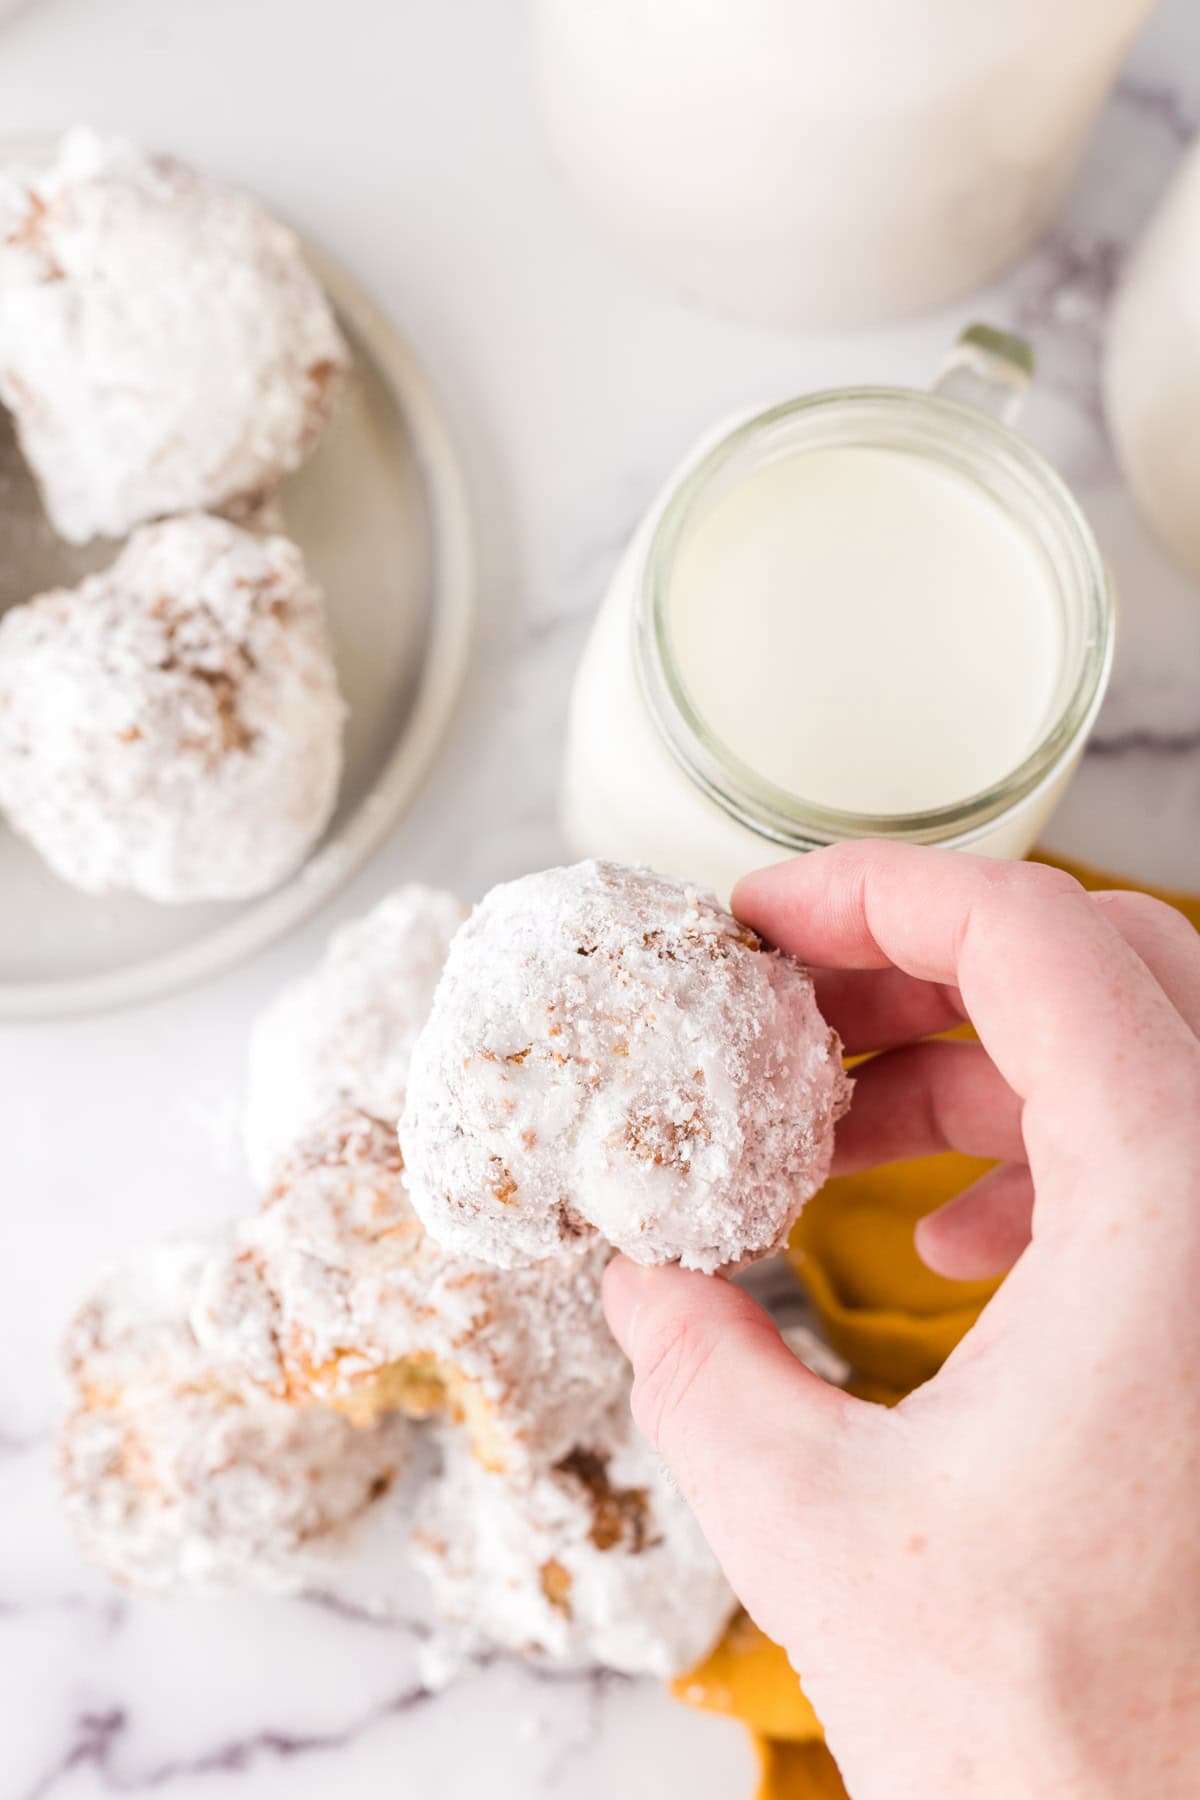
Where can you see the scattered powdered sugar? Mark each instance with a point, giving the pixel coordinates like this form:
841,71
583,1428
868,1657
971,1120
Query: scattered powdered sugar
163,346
597,1561
175,1471
344,1032
609,1051
334,1293
173,725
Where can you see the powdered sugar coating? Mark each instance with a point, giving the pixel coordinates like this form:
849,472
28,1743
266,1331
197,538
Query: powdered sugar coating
163,347
173,725
609,1051
598,1561
343,1033
333,1293
175,1471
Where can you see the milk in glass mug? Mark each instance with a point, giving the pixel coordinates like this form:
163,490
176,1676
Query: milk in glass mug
872,611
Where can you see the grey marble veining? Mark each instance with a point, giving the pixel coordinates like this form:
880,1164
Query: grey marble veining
406,138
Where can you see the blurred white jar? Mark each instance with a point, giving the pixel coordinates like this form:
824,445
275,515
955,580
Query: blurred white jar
823,162
868,612
1152,368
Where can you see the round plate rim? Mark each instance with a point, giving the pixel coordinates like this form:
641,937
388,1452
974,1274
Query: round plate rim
409,761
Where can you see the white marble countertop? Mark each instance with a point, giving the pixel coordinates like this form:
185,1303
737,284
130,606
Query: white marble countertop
406,137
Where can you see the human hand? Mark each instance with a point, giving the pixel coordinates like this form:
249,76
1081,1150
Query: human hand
992,1589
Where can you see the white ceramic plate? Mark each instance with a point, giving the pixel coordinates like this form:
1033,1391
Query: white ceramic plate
381,515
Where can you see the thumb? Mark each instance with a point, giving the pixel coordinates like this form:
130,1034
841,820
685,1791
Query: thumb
758,1444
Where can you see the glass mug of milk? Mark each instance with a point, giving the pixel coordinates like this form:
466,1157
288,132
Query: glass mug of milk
820,162
872,611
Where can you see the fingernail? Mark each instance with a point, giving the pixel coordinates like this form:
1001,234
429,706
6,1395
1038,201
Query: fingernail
624,1287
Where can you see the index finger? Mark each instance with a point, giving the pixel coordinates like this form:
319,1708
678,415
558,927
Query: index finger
1065,1007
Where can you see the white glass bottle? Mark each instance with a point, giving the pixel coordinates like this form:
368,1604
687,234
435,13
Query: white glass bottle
825,162
867,612
1152,368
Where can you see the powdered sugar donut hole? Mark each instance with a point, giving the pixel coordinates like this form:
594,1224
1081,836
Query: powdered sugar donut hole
598,1562
343,1034
176,1472
610,1052
173,726
163,347
333,1294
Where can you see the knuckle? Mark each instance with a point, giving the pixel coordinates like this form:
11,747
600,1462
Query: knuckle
1038,880
858,860
1130,907
1015,891
1043,879
671,1367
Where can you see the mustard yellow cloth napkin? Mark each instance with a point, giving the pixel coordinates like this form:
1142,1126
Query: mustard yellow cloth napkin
895,1323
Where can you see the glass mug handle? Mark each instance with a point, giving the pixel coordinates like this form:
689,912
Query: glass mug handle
989,370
